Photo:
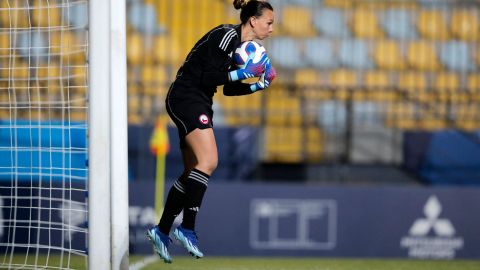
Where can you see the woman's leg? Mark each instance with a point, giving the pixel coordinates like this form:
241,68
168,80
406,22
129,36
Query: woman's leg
176,195
204,148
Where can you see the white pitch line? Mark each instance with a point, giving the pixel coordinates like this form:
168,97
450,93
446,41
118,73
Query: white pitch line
144,262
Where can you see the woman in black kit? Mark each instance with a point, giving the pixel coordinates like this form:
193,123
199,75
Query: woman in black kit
189,104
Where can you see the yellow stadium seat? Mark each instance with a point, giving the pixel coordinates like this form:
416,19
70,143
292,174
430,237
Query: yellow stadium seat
464,25
431,25
14,14
4,44
343,81
135,48
79,74
283,144
402,116
297,21
167,50
377,80
412,81
154,75
379,86
46,13
72,49
338,3
314,144
421,55
364,24
387,55
307,77
446,82
478,55
283,111
473,83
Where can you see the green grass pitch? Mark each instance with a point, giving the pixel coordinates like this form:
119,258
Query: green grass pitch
252,263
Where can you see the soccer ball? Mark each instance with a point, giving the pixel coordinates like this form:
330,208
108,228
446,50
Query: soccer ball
245,50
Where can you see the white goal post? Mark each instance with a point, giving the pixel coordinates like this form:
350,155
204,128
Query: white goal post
108,157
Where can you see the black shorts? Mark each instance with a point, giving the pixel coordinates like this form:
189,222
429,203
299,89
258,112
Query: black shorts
189,115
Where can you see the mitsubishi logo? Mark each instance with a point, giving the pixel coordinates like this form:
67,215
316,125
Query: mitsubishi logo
441,244
432,210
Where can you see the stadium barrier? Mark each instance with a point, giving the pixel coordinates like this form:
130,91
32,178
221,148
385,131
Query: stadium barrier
298,220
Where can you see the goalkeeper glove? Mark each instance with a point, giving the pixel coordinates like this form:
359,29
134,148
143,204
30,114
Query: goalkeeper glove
250,70
265,80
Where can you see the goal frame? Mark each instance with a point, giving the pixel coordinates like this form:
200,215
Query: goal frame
108,236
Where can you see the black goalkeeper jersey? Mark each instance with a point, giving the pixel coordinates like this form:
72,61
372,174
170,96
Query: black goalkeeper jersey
207,66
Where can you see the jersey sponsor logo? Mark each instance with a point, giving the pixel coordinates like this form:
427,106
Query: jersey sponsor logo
203,119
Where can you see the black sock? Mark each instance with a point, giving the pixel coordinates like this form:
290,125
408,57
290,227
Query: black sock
195,189
174,204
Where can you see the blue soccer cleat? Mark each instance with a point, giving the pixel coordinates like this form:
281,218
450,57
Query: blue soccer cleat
189,240
160,243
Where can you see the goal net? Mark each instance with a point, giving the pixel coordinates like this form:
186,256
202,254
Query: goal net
43,134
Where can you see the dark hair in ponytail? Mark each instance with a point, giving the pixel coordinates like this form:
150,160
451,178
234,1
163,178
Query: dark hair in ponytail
250,8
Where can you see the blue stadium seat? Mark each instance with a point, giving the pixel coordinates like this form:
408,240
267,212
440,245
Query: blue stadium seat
332,116
354,54
398,23
33,45
77,14
143,18
455,56
319,53
285,52
330,22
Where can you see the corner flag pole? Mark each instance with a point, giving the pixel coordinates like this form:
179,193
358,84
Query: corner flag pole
159,146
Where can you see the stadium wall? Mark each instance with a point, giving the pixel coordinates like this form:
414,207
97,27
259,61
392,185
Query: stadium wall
316,221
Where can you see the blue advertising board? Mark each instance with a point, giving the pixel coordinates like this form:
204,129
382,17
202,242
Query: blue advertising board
299,220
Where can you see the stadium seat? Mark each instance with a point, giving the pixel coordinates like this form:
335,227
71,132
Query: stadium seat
4,45
283,144
71,48
45,13
32,45
77,14
307,77
286,52
167,50
343,78
421,55
398,24
332,116
446,82
314,144
319,53
473,83
283,111
412,81
143,18
14,14
376,79
79,74
387,55
331,23
154,75
455,55
364,24
465,25
346,4
297,21
135,48
431,25
402,116
354,53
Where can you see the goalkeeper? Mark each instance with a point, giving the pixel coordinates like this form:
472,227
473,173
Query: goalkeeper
189,105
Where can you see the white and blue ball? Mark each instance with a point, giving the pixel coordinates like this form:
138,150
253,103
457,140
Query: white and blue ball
247,50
